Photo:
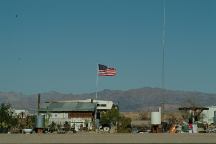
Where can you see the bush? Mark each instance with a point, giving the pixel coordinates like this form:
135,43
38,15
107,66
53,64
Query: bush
124,125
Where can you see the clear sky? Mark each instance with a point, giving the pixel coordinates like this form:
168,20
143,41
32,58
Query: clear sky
55,45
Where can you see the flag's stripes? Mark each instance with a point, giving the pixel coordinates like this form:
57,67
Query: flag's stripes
105,71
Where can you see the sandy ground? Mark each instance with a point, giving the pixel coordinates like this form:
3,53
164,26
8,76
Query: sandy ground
107,138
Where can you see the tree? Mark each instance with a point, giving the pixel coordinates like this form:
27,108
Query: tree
6,116
110,117
25,121
29,122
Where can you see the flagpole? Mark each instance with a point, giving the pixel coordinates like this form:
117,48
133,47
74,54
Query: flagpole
96,82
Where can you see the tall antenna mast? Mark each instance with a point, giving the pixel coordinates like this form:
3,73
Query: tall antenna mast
163,45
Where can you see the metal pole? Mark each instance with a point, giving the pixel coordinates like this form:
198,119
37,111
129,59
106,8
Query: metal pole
163,45
163,54
38,104
96,82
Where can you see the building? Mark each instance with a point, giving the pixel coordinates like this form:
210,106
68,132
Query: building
21,113
77,114
209,115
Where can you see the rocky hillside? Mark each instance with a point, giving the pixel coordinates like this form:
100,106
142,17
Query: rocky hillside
142,99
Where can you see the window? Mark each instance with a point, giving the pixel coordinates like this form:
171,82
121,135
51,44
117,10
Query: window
101,105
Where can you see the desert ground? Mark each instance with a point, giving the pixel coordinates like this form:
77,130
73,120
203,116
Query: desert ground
107,138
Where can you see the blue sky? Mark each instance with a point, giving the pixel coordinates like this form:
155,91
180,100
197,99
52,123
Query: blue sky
56,44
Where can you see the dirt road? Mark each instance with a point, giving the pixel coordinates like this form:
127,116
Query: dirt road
107,138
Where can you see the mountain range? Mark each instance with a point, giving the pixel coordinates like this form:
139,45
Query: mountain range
141,99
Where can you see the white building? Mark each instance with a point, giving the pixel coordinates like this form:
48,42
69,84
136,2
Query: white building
21,113
208,115
77,114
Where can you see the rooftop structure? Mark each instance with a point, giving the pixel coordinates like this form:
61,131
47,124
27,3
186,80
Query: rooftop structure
69,106
101,104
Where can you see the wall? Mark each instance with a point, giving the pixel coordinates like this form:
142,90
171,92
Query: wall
74,118
208,115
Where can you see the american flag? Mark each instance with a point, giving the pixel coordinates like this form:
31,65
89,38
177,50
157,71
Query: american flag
106,71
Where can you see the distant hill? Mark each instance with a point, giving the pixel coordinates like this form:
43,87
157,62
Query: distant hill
142,99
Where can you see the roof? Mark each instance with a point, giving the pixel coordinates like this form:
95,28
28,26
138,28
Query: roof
69,106
193,108
101,104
